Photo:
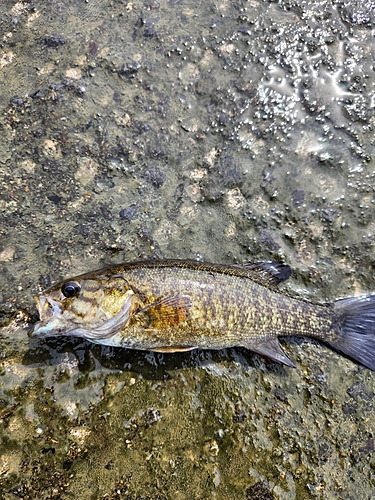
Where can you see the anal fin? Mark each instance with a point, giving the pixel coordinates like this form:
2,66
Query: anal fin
271,349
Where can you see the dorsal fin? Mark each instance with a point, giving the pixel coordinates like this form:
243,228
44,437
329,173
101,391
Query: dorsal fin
267,273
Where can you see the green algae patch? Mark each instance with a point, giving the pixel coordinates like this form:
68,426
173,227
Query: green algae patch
188,426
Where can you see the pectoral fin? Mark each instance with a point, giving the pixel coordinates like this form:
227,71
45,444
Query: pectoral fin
165,313
271,349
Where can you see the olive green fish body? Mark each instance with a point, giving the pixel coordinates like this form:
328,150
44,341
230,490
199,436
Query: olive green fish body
169,306
223,310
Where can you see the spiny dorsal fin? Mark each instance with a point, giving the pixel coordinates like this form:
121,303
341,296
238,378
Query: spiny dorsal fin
268,272
165,313
271,349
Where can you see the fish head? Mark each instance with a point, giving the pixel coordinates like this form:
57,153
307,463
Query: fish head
93,308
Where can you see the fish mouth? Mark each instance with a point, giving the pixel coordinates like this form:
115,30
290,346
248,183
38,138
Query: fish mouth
47,307
49,311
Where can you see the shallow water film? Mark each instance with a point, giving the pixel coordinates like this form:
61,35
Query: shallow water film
219,131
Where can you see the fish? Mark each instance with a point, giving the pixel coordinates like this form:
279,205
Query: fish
171,306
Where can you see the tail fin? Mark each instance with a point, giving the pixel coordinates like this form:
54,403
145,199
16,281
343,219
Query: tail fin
355,325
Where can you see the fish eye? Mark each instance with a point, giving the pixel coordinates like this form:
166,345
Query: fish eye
70,289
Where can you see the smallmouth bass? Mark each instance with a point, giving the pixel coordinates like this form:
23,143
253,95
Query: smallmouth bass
180,305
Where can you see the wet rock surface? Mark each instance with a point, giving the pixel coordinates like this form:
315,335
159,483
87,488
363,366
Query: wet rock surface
223,132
